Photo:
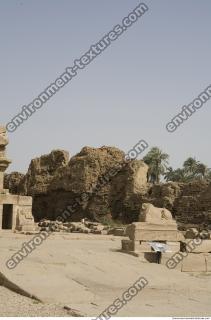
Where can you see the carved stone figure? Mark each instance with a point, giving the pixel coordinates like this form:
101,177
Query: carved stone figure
152,214
24,219
3,137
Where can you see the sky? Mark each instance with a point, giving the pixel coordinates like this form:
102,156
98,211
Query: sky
128,93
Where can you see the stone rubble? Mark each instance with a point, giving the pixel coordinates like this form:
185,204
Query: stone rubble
79,227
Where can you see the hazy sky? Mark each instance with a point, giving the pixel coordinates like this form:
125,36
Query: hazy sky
127,94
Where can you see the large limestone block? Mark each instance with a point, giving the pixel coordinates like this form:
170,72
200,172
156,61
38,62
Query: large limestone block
9,199
194,262
165,257
147,235
150,226
203,247
144,231
24,201
174,246
127,245
144,246
140,246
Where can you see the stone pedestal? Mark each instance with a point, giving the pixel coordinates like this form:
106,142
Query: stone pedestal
141,234
145,231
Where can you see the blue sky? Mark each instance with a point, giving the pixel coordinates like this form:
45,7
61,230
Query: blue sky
128,93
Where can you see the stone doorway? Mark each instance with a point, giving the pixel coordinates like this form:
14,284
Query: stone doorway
7,217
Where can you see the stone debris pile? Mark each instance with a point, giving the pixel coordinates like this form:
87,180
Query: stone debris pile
84,226
193,233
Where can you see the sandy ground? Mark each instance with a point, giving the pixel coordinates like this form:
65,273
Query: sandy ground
15,305
87,273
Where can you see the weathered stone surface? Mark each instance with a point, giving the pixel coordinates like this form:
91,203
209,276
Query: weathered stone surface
42,171
15,210
164,195
4,162
79,227
194,262
165,257
143,231
128,245
151,214
203,247
173,246
109,188
128,190
24,219
99,176
190,203
191,233
12,182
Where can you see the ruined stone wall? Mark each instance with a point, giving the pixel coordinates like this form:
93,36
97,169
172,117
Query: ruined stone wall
12,182
190,203
55,182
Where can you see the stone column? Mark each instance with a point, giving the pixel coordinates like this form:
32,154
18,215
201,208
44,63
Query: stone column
4,162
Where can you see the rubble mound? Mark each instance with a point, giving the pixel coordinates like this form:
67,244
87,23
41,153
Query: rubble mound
84,226
41,172
108,182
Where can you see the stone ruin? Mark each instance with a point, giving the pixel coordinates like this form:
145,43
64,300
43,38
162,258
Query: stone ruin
15,210
156,224
155,238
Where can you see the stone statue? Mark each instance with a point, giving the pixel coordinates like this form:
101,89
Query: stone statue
155,215
3,137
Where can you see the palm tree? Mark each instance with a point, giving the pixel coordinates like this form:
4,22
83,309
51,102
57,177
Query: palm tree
190,166
157,162
208,174
177,175
201,170
169,174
